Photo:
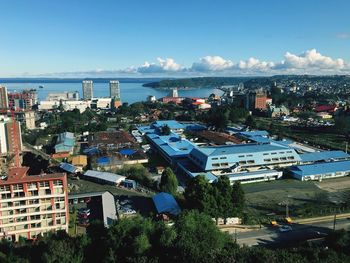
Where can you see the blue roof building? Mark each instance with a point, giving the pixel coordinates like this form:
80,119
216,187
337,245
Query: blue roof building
321,171
171,146
245,155
173,125
68,168
324,156
166,203
65,142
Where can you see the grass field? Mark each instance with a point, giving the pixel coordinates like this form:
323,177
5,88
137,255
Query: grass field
268,200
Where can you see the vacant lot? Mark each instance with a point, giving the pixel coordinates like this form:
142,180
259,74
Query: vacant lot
334,185
304,199
83,186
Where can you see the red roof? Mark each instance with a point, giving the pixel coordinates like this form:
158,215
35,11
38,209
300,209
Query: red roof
329,108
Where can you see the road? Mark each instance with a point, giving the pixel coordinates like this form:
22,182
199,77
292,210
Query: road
299,232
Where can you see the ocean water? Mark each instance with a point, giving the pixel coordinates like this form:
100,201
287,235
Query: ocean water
130,92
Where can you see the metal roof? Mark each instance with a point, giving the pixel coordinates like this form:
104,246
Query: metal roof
68,167
170,123
165,202
241,148
105,176
254,133
323,156
321,168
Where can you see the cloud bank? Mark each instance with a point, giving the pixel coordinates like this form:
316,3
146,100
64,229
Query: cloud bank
308,62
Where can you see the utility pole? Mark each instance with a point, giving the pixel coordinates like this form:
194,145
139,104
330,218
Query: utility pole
334,222
346,147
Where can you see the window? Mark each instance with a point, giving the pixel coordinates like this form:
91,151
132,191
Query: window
265,153
216,165
291,157
249,155
241,156
274,153
214,158
251,161
223,158
267,160
275,159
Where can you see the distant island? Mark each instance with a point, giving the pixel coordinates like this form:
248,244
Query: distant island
249,82
200,82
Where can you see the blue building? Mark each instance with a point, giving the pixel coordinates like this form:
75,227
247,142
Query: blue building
321,171
166,204
244,155
65,142
324,156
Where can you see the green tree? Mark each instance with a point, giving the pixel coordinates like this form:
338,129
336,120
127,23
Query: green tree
168,181
199,195
223,197
250,122
238,198
165,130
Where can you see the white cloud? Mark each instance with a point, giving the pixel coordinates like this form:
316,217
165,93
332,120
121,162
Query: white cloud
344,35
308,62
255,64
212,63
164,65
311,60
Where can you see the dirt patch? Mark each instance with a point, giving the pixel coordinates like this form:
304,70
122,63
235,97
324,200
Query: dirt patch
334,185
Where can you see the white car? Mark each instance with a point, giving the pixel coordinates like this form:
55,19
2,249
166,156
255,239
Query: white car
285,228
129,212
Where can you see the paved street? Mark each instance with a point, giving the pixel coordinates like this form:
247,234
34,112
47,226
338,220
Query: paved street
272,236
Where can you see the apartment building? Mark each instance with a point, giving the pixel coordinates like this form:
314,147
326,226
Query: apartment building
32,205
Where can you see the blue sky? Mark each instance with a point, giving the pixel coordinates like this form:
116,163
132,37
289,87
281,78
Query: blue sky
173,38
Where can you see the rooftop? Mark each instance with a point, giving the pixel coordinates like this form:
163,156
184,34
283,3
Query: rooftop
111,177
166,203
321,168
241,148
322,156
172,124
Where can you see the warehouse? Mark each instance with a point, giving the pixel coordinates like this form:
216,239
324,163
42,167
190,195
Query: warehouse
321,171
324,156
104,177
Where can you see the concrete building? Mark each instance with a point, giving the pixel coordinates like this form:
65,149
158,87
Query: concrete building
88,89
27,117
274,111
31,206
105,177
23,100
101,103
65,143
67,105
256,100
114,89
63,96
10,136
4,103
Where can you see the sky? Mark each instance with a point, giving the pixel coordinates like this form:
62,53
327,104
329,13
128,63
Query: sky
148,38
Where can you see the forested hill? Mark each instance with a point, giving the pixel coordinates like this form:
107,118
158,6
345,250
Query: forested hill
252,82
196,82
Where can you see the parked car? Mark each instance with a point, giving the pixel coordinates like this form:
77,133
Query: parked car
285,228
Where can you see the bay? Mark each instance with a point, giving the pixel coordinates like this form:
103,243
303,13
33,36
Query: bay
130,92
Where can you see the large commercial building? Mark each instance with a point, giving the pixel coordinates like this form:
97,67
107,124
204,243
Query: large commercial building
114,89
10,136
63,96
4,103
256,100
31,206
23,100
88,89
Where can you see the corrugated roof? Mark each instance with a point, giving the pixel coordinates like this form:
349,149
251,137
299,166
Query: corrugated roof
105,176
254,133
323,156
321,168
68,167
241,148
170,123
166,203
